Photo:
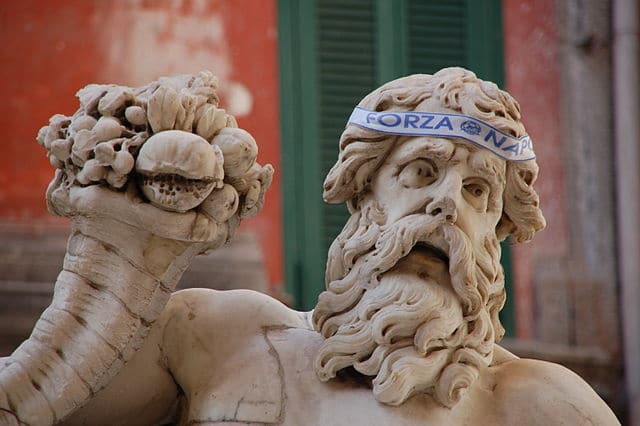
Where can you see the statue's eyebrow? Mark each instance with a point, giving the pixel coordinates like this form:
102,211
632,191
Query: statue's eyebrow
437,149
482,163
486,166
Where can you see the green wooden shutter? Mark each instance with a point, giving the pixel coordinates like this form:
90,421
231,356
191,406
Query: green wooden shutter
437,35
327,64
332,53
346,53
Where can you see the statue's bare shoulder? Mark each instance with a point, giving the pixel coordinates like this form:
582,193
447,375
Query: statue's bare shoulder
232,319
240,309
217,347
545,393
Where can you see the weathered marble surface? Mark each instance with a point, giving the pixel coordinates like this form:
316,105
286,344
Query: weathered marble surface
264,374
407,331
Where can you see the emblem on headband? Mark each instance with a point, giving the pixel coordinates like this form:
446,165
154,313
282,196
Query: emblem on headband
460,126
470,128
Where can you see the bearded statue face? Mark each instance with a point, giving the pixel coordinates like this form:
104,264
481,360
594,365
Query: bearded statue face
451,181
414,281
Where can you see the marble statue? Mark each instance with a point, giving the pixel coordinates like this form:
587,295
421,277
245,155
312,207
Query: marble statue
436,170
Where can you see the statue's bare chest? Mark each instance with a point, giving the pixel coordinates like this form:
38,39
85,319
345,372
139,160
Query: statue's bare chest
272,381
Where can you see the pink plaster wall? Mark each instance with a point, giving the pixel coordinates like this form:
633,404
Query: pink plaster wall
531,68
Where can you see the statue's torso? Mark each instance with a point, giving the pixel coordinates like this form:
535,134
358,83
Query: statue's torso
268,378
242,358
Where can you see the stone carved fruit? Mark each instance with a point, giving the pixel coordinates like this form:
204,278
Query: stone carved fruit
83,145
221,204
239,149
136,115
92,171
57,129
61,148
84,122
210,120
123,163
178,170
107,128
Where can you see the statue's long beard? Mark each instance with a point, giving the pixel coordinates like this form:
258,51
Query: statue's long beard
413,336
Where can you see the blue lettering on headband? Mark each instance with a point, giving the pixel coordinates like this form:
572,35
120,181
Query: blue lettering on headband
459,126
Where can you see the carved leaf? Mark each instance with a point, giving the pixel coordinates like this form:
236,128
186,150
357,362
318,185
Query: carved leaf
162,109
115,100
211,121
90,96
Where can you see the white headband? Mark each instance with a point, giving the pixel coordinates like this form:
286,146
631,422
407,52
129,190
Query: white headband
412,123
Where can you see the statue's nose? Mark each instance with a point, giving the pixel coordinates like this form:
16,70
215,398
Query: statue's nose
444,207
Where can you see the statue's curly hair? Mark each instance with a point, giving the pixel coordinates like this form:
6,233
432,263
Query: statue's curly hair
362,151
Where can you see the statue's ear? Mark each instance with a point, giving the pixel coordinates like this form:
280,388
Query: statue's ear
521,230
521,214
505,227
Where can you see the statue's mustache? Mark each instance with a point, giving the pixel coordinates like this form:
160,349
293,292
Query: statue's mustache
361,255
397,240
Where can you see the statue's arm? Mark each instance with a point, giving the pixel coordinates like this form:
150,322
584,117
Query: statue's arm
191,348
142,393
149,177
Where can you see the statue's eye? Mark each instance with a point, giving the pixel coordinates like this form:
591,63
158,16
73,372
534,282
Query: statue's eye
476,192
418,173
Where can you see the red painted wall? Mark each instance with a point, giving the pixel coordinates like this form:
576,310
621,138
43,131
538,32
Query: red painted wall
531,70
47,53
52,48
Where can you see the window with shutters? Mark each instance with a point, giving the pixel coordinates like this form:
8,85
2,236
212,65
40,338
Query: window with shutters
334,52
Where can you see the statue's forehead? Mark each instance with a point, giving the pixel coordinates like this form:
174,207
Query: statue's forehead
410,147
